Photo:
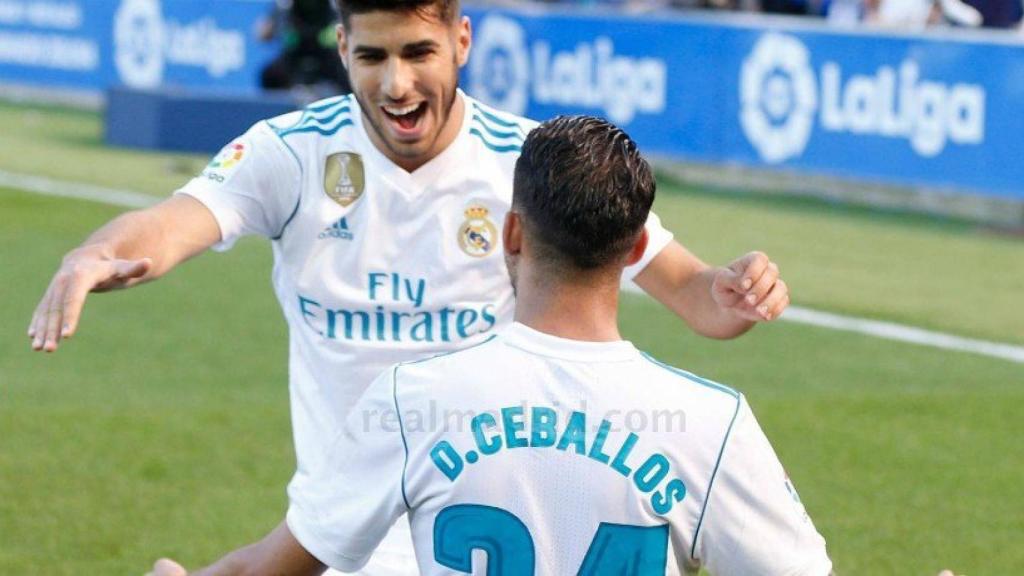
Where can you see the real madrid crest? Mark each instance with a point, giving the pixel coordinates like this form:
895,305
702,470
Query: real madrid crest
477,235
344,180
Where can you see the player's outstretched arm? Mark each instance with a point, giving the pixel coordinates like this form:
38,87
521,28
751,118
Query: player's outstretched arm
133,248
278,554
716,302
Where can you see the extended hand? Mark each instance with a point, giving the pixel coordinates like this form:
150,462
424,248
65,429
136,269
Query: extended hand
750,286
84,270
167,567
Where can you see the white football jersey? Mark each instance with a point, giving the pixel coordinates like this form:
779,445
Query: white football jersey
373,265
534,454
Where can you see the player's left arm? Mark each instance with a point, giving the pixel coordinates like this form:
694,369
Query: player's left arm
277,554
717,302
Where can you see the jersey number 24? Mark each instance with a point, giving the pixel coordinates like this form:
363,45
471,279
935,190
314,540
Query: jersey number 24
617,549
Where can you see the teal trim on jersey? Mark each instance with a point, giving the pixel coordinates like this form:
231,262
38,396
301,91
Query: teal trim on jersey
692,377
328,107
298,202
496,147
495,132
319,115
322,117
714,386
490,114
328,102
321,128
401,428
711,482
327,116
443,354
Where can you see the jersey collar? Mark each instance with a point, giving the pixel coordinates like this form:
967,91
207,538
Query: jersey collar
525,338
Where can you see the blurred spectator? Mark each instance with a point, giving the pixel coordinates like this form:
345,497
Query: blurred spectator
998,13
903,14
309,55
847,13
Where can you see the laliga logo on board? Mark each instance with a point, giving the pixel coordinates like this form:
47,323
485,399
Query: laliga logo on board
777,97
507,71
138,43
779,101
145,42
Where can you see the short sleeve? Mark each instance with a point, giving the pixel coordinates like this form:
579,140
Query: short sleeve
252,186
657,238
754,522
341,510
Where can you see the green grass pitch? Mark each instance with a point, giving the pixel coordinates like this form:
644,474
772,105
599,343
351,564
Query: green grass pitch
163,427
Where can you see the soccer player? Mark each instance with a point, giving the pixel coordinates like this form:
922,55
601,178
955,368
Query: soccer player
384,210
560,448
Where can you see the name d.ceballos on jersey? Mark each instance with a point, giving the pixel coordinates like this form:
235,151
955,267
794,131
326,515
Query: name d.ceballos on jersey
542,427
398,313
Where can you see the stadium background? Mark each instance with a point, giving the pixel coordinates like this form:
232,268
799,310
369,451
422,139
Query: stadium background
894,165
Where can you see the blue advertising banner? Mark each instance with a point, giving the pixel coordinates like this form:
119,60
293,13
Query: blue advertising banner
925,110
914,110
96,44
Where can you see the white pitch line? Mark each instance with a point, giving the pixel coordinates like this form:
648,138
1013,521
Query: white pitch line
48,187
903,333
795,314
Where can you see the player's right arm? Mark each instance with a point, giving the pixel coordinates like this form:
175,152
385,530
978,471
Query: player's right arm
251,187
133,248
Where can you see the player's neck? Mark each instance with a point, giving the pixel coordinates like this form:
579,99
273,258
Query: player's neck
586,311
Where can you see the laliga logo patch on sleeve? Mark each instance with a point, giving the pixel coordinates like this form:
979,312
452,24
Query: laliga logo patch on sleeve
226,161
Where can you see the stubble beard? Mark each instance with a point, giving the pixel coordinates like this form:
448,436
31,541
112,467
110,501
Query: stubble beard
446,115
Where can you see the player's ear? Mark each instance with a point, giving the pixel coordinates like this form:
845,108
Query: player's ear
638,249
512,234
342,35
463,40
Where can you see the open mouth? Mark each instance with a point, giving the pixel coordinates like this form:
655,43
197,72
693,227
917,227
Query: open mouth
405,118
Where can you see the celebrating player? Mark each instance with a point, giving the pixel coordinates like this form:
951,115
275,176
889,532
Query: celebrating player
556,463
384,209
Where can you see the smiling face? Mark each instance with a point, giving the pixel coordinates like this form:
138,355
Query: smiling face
403,67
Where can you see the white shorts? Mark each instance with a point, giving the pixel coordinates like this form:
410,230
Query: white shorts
395,555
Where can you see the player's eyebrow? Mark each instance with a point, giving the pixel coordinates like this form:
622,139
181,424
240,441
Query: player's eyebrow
363,50
419,47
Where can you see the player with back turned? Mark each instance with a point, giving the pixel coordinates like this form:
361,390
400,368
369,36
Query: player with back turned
384,211
545,469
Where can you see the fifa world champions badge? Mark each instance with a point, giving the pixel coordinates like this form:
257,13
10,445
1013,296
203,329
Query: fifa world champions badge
344,179
477,235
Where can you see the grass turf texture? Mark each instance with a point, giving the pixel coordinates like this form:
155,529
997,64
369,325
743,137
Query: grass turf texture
162,429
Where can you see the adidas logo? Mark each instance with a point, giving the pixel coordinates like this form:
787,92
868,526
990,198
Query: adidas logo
338,229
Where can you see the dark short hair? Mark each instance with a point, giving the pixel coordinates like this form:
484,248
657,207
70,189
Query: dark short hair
583,190
446,10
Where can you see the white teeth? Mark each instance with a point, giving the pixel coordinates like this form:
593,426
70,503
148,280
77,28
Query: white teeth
401,111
